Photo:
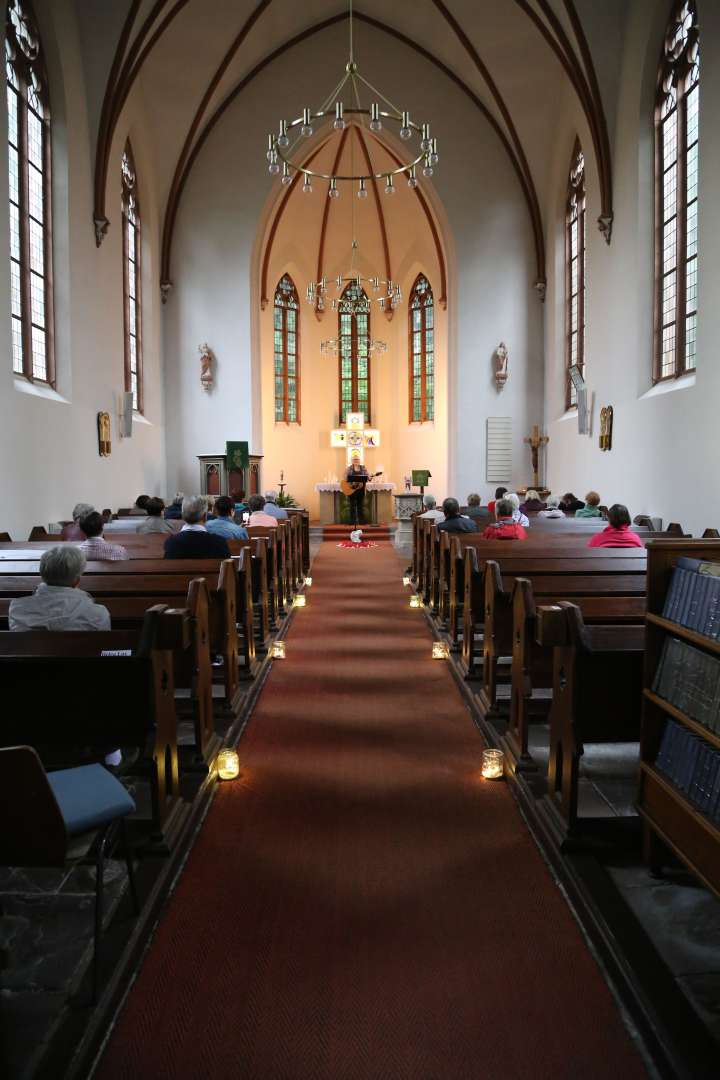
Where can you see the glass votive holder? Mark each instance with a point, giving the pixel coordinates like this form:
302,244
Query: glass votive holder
493,766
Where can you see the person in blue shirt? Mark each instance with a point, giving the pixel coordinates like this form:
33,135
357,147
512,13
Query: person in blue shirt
271,507
222,524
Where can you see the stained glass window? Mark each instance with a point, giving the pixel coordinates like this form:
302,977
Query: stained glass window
421,315
286,333
354,338
132,285
676,195
575,272
30,197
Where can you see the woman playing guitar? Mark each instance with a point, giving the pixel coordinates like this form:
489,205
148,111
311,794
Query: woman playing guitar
356,478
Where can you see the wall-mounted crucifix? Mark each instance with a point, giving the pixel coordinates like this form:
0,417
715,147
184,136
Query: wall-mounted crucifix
536,441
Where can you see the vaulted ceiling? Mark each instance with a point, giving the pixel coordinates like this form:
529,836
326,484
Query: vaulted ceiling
512,59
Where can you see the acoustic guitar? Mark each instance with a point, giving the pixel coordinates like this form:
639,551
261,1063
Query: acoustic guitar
349,487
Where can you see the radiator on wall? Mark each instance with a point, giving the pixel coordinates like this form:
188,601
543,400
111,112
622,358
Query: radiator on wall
499,449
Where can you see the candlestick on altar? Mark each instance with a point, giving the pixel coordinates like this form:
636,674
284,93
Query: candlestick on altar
281,485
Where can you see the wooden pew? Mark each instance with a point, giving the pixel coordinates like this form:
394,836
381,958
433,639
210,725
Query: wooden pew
619,597
269,534
131,700
303,526
597,690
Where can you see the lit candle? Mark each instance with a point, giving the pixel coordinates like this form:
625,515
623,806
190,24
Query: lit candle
228,764
492,764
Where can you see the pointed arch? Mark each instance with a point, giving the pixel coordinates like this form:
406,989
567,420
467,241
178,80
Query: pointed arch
354,353
575,271
286,337
676,194
30,195
132,280
421,352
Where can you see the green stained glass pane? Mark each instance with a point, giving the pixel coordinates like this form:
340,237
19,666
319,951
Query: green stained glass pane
417,342
416,410
279,410
345,324
362,324
362,369
416,366
430,407
416,319
430,340
292,412
291,319
430,364
279,388
429,318
278,365
291,365
278,319
346,371
291,343
278,341
417,388
292,388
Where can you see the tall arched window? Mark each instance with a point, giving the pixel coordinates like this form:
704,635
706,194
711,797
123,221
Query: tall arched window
287,352
354,336
421,314
30,197
132,285
575,272
676,195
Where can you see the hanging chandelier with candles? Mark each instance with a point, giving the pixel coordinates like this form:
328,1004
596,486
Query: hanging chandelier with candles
388,292
422,147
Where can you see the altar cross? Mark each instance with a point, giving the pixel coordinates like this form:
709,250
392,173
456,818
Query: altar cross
355,438
536,440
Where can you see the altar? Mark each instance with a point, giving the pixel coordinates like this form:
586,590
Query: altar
334,508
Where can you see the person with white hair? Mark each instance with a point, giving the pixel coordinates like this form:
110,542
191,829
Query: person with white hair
532,502
194,541
58,603
73,531
271,507
517,515
552,508
431,512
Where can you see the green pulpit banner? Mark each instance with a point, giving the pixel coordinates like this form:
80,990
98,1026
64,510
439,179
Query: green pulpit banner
237,456
420,477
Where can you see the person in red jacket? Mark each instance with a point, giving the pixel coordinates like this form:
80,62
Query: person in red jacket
618,533
506,528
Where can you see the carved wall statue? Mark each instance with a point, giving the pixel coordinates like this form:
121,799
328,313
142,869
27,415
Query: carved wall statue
103,426
207,379
500,365
606,426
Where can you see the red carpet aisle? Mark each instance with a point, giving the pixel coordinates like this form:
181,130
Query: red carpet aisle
362,906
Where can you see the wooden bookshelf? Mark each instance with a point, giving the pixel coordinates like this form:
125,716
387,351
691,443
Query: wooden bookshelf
670,820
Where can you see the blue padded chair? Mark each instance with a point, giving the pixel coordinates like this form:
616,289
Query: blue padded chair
61,818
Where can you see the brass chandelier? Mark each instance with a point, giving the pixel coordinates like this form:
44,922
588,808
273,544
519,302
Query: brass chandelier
390,293
422,147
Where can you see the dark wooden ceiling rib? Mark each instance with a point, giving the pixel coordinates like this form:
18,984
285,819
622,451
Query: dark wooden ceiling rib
106,111
180,179
433,229
380,213
606,186
276,221
326,209
212,87
588,95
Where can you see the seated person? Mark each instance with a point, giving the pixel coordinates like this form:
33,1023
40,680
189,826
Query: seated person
95,547
258,515
569,503
107,515
478,513
532,502
505,528
553,509
154,522
140,507
223,524
238,498
58,603
174,511
517,515
431,512
271,507
454,520
73,531
499,492
618,533
194,541
591,507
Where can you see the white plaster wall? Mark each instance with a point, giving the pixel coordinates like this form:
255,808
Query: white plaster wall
491,274
48,441
665,452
